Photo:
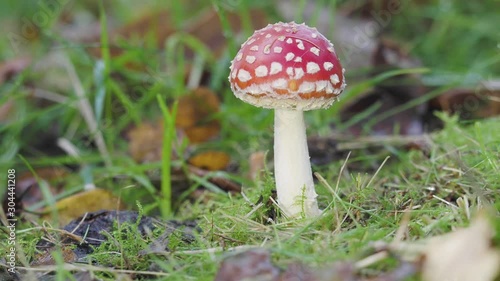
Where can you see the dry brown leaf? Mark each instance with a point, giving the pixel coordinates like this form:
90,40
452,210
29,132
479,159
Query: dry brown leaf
256,264
464,255
210,160
481,102
46,173
145,142
195,119
27,190
195,115
47,258
257,162
298,271
27,182
250,265
78,204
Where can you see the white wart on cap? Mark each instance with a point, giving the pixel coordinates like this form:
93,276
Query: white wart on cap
288,66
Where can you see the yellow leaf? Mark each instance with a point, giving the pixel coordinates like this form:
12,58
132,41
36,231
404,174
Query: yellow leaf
210,160
78,204
195,115
145,142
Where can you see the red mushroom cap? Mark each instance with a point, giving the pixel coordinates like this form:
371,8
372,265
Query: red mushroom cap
287,65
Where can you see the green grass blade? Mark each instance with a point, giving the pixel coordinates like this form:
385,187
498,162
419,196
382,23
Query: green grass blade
165,201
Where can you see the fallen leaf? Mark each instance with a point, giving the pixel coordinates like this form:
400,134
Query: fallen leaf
26,179
338,271
46,257
256,265
257,163
196,115
249,265
298,271
464,255
481,102
145,145
195,119
210,160
27,190
78,204
145,142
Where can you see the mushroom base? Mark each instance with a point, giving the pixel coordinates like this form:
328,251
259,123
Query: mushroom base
292,166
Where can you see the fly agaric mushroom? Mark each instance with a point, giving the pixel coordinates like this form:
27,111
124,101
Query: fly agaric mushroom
291,68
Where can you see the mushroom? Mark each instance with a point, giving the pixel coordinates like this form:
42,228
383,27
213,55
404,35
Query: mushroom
290,68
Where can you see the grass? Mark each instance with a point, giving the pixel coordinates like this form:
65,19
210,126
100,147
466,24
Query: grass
364,198
165,202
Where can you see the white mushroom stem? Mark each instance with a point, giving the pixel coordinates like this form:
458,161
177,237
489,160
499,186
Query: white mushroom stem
292,166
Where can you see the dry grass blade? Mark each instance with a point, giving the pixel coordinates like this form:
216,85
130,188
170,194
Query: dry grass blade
86,110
